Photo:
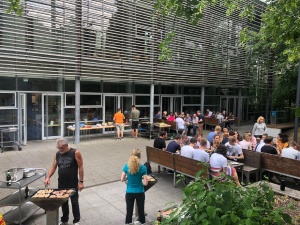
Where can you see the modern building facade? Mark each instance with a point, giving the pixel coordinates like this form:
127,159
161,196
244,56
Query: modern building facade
112,48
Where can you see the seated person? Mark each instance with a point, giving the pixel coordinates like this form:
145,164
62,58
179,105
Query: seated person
245,143
290,152
282,142
200,154
160,142
234,150
218,164
188,150
171,117
219,117
211,135
269,146
216,141
185,140
174,146
260,143
199,138
158,115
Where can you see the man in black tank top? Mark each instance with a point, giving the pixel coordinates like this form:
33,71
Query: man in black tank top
69,162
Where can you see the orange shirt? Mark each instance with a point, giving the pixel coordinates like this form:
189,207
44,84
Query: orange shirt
119,117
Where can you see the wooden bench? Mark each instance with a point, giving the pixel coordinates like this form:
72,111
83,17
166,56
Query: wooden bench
252,163
189,167
177,163
211,122
280,165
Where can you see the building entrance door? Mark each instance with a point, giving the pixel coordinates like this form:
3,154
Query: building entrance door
171,104
113,102
52,115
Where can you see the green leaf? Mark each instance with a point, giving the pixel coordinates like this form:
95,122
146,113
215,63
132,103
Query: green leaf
287,218
249,212
211,211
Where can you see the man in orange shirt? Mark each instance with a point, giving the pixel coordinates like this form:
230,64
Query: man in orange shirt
119,123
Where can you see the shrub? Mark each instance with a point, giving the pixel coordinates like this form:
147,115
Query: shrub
225,203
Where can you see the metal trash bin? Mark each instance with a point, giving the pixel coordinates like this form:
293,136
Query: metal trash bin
274,116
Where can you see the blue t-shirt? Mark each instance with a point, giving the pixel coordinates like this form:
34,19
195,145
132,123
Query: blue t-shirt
210,137
135,184
173,146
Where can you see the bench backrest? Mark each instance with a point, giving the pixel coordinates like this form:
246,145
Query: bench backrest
282,165
172,123
155,120
211,121
252,158
160,157
189,167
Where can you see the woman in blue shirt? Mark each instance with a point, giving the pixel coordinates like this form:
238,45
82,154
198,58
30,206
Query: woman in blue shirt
137,179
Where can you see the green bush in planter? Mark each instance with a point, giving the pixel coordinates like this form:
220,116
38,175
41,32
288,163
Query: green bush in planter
225,203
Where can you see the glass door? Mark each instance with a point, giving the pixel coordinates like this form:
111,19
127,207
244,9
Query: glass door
229,104
52,116
171,104
22,118
113,102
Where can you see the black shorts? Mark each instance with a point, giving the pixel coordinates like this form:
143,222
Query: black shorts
135,125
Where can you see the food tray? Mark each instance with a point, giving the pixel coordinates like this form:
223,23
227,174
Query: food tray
48,203
151,182
28,172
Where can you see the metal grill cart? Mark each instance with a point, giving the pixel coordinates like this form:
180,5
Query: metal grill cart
9,138
51,206
151,183
22,209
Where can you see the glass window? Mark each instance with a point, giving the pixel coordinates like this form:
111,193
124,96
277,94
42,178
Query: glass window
40,84
7,100
190,109
89,114
84,100
192,100
70,85
90,86
8,117
109,87
212,100
167,89
142,88
142,100
8,83
192,90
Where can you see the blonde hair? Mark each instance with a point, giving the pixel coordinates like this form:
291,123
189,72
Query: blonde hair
259,118
133,164
136,152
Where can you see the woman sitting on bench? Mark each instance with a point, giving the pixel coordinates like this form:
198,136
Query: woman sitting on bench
218,165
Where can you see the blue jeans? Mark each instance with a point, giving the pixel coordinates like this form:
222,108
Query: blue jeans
75,209
140,201
195,128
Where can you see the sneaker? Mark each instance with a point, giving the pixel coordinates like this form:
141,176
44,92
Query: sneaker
170,172
63,223
76,223
122,138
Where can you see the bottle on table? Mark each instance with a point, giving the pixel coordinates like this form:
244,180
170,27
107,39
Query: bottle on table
26,192
8,179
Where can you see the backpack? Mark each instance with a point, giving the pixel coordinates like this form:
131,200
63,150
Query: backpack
148,167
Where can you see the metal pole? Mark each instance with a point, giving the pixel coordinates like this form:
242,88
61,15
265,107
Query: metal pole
151,102
297,105
202,100
77,110
239,109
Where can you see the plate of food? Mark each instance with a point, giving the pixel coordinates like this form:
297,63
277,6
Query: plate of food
234,163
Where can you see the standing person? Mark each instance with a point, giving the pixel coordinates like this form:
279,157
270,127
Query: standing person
195,122
137,179
259,127
70,164
160,142
119,123
135,115
201,119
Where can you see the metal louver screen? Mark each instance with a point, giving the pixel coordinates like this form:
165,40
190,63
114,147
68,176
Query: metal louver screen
117,40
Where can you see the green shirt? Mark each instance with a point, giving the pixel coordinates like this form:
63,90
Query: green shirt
135,115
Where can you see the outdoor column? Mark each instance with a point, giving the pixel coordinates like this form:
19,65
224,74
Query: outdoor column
297,105
151,102
77,110
239,109
202,99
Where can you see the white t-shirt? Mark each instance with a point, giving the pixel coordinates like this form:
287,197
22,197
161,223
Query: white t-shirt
180,123
245,144
218,161
289,153
201,155
187,151
207,145
259,146
233,150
